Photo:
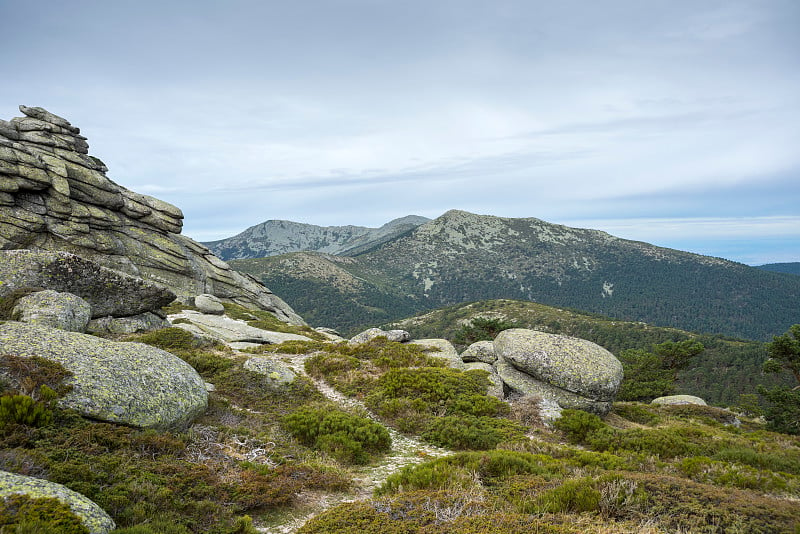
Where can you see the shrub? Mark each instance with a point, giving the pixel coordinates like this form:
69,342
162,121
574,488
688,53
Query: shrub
481,329
574,495
23,410
169,339
783,412
577,425
636,413
27,375
348,438
470,432
21,513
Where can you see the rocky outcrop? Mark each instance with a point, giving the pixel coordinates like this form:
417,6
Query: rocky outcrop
126,383
679,399
94,518
398,336
573,372
227,330
64,311
108,292
480,351
143,322
55,197
209,304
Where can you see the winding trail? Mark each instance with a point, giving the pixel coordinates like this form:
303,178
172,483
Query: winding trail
405,451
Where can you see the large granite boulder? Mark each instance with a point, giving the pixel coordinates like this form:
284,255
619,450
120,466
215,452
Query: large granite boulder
523,384
127,383
398,336
64,311
480,351
279,373
495,388
569,363
143,322
54,196
107,291
209,304
94,518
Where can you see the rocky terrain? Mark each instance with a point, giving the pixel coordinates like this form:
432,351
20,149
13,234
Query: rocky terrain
271,238
126,410
54,196
462,257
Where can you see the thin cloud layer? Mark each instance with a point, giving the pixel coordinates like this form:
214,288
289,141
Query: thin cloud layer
357,111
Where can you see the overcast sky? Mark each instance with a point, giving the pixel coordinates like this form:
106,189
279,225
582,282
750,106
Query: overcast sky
674,122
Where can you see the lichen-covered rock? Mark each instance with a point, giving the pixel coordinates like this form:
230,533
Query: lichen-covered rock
94,518
209,304
144,322
277,372
524,384
480,351
679,399
495,388
107,291
571,364
227,330
64,311
444,350
399,336
128,383
54,196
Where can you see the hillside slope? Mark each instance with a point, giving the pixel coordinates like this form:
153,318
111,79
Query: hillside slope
728,367
272,238
462,257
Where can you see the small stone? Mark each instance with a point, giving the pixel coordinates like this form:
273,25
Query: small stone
209,304
399,336
679,399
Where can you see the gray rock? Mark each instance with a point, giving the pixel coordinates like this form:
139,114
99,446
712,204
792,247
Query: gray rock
64,311
524,384
243,345
144,322
679,399
445,350
107,291
399,336
94,518
209,304
57,198
126,383
568,363
495,388
480,351
276,371
230,330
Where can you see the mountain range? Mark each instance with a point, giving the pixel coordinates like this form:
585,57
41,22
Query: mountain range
273,237
462,257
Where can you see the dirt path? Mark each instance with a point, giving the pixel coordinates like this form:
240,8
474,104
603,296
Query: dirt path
405,451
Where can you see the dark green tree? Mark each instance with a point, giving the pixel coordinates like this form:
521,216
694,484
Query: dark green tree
783,411
651,374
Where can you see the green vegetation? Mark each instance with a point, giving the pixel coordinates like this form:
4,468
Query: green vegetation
687,471
726,369
783,411
23,514
481,329
651,374
349,438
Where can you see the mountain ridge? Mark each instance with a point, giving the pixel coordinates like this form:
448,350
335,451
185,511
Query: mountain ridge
274,237
461,257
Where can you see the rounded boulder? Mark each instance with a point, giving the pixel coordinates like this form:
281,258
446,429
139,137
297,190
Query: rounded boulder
572,364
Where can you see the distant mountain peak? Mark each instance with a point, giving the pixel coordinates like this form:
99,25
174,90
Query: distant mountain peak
275,236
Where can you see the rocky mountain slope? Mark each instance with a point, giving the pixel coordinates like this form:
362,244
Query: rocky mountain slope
462,257
271,238
54,196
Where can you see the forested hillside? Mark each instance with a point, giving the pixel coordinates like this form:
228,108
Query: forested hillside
726,369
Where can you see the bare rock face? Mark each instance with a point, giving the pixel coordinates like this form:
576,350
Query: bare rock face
64,311
55,197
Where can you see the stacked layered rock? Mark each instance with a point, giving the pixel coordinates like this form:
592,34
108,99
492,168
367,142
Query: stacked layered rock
55,197
563,371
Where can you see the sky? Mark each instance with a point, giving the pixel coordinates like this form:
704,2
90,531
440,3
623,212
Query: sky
673,122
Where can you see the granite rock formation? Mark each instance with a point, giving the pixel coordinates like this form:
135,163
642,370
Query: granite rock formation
55,197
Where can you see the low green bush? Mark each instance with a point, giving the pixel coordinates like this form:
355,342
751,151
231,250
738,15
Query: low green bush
24,514
577,425
572,496
23,410
347,437
636,413
471,432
